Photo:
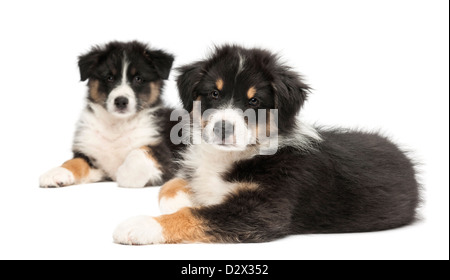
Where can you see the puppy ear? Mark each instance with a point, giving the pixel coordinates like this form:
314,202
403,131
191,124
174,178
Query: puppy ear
190,76
162,62
87,62
290,92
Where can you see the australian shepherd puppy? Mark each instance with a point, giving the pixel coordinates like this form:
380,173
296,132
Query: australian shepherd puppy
120,135
257,173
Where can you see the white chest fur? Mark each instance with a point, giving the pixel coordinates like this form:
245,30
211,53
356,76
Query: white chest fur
208,165
108,140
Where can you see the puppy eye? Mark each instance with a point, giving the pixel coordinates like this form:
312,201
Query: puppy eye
214,94
253,102
138,79
110,79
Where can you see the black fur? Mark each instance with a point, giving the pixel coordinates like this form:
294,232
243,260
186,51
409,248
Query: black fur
166,153
349,181
187,82
112,53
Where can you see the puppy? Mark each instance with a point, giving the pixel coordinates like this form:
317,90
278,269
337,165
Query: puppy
234,187
121,133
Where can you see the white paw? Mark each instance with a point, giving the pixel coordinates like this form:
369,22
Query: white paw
140,230
137,170
56,177
173,204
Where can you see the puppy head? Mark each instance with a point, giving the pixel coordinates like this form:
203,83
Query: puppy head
125,78
239,83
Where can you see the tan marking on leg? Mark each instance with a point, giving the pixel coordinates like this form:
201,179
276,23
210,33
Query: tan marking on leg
219,84
251,92
155,91
79,168
151,156
182,226
172,187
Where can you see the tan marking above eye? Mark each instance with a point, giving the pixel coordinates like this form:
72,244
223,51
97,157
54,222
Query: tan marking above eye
219,84
251,92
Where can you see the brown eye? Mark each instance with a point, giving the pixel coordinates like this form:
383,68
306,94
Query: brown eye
110,79
214,94
253,102
138,79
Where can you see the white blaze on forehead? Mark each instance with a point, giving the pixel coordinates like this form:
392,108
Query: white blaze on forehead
125,65
122,90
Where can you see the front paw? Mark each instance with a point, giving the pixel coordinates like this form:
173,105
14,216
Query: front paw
56,177
140,230
137,170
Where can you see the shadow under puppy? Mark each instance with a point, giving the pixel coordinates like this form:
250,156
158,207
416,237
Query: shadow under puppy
316,181
122,134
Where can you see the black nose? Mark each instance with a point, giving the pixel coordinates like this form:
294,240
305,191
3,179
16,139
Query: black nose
223,129
121,102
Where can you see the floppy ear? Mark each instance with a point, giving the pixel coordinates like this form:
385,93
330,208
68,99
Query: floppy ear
162,62
190,76
290,92
87,62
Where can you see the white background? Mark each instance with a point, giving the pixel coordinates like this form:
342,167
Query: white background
380,65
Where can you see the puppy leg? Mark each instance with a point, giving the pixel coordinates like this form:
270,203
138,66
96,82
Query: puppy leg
242,218
74,171
174,195
139,169
180,227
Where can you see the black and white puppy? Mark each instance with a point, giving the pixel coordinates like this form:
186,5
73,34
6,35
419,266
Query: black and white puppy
120,135
232,189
